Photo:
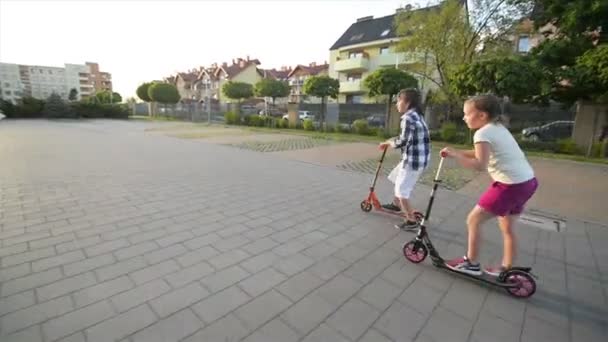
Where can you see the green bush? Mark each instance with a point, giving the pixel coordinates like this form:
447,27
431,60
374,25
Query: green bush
8,108
255,121
55,107
231,118
344,129
449,132
98,110
282,123
308,125
29,107
568,146
361,126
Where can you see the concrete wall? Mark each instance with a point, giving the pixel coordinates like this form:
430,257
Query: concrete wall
590,118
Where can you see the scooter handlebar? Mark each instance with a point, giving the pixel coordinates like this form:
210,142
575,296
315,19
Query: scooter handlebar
443,154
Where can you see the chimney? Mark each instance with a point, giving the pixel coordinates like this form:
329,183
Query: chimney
313,64
247,58
365,18
224,64
242,63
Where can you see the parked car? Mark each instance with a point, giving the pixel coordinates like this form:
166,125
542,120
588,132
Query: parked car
551,131
271,112
302,115
375,121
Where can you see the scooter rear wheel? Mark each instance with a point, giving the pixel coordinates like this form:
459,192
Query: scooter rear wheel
526,284
366,206
415,251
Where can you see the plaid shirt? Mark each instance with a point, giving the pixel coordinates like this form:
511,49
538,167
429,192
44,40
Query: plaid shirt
414,141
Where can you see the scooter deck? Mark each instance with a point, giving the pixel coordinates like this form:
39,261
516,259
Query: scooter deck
484,277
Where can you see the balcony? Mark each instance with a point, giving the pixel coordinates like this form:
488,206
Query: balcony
348,87
352,64
389,59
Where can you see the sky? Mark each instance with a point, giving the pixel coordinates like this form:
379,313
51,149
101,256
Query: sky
138,41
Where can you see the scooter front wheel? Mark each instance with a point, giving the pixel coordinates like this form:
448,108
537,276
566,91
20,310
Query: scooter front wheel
415,251
366,206
526,286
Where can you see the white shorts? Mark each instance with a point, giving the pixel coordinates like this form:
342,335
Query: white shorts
405,180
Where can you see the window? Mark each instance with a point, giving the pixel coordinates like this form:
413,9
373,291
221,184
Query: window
384,50
523,44
8,92
7,84
385,32
353,77
355,55
356,37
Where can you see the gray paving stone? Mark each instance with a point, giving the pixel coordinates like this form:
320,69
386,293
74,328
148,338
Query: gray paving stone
13,272
51,241
220,304
135,250
122,325
188,275
260,262
174,238
537,330
299,285
16,302
120,268
106,247
30,281
290,248
339,289
140,294
155,271
285,235
320,250
293,264
503,306
170,329
400,322
260,245
228,259
494,329
329,267
379,293
58,260
35,314
179,299
16,259
231,243
163,254
232,230
28,335
146,236
77,244
65,285
113,235
261,282
77,337
273,331
465,298
25,238
88,264
325,334
226,329
196,256
74,321
353,318
258,233
308,313
102,291
222,279
262,309
446,325
14,249
373,335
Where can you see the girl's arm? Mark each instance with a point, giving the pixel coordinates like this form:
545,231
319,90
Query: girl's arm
476,160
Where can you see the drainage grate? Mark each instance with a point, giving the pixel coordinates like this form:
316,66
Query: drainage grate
544,222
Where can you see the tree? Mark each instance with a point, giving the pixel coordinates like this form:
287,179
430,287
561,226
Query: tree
573,17
238,91
512,77
56,108
323,87
104,97
73,94
389,82
163,93
444,37
272,88
142,92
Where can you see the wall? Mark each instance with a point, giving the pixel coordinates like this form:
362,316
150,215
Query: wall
587,114
11,88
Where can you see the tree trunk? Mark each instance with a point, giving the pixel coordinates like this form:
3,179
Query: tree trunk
596,115
322,114
387,117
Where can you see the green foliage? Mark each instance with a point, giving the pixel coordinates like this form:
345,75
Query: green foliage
271,88
73,94
56,108
97,110
502,76
389,81
29,107
321,86
361,126
7,107
231,118
237,90
573,17
308,125
449,131
163,93
282,123
591,73
142,92
104,97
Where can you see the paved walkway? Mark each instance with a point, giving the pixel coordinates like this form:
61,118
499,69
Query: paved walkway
111,234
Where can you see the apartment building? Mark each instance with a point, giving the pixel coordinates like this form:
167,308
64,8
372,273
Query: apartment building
368,45
18,81
298,76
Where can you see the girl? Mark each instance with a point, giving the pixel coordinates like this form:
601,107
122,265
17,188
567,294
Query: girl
514,182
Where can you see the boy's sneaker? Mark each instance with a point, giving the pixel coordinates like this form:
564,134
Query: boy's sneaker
464,265
495,271
407,225
392,207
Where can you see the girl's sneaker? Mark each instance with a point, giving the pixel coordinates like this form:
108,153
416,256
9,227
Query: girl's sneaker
464,265
407,225
495,271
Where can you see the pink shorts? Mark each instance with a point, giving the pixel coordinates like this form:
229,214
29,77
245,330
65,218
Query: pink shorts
507,199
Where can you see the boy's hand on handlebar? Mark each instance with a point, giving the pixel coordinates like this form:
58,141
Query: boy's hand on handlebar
384,145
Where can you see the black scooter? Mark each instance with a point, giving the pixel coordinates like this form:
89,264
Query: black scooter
517,281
